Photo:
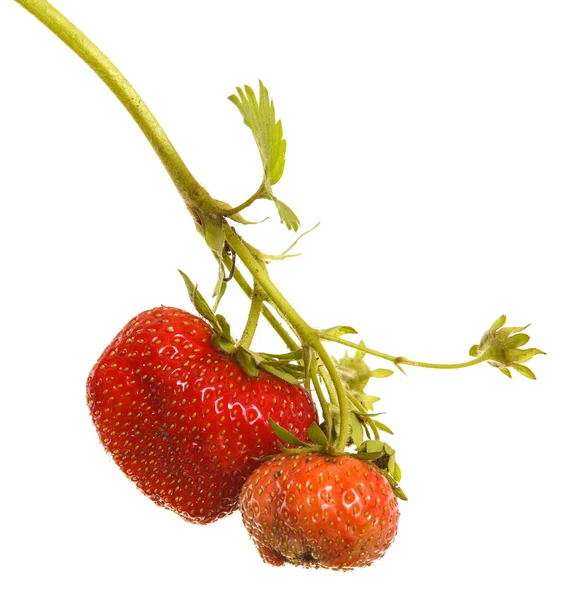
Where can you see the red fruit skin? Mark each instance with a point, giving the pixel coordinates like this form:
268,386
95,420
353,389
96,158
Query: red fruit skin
319,511
182,419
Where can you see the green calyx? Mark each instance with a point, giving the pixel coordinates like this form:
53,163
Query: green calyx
500,347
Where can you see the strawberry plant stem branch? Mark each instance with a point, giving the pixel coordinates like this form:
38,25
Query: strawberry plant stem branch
400,360
194,195
253,317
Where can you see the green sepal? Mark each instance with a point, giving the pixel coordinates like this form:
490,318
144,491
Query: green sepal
389,450
200,303
474,351
356,431
392,464
382,427
517,340
525,371
225,327
246,361
225,345
285,435
367,399
381,373
397,473
506,371
396,489
279,373
369,456
372,447
317,435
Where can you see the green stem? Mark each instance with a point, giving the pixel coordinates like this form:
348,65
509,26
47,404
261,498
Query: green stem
322,400
257,194
400,360
195,196
253,317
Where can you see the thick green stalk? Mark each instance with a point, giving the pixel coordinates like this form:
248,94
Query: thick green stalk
194,195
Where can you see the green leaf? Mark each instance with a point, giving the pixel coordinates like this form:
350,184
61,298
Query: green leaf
381,373
285,435
260,116
317,435
525,371
356,431
287,216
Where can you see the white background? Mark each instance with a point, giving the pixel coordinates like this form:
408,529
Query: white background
430,138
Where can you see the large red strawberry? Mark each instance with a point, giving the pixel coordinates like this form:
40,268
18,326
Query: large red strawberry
183,419
319,511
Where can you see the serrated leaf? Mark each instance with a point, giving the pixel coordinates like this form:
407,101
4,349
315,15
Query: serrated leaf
525,371
287,216
317,435
356,431
260,116
285,435
382,427
381,373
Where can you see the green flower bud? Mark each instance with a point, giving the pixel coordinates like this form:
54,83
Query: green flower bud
500,346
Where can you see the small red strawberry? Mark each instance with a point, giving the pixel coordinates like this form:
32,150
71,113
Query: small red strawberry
319,511
182,419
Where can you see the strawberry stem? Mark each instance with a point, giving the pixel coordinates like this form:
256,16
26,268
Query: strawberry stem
400,360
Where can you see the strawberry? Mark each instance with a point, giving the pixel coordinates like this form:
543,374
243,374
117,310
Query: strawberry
182,419
314,510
